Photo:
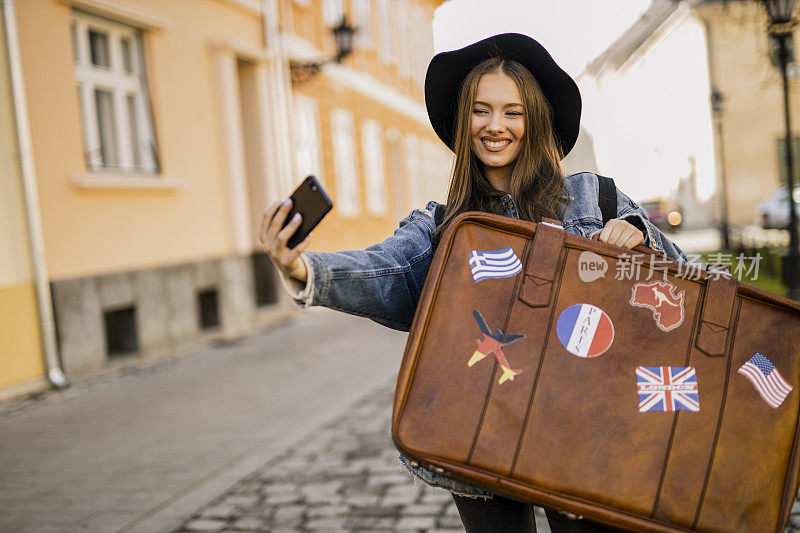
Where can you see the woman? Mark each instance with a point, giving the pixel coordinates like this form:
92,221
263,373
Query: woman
516,115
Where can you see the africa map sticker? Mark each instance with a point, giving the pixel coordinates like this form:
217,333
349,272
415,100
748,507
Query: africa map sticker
667,388
585,330
660,298
493,343
501,263
769,383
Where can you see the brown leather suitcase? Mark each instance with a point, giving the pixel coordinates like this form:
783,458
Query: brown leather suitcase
661,404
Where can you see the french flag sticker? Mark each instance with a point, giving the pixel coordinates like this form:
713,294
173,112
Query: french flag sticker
585,330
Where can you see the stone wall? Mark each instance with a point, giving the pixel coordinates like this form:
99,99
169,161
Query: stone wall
166,310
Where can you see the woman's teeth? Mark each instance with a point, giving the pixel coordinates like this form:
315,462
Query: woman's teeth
496,144
493,144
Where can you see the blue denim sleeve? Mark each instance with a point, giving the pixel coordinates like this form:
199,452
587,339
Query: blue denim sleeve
630,212
382,282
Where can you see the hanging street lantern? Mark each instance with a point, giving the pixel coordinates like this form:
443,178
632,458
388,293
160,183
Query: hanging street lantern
343,36
780,11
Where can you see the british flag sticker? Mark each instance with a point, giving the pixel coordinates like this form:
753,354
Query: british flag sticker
667,388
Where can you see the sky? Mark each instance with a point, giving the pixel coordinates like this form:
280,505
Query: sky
573,31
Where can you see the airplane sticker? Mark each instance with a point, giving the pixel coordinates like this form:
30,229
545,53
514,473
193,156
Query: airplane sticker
493,343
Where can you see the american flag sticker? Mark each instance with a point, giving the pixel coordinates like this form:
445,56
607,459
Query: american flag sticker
667,388
769,383
487,264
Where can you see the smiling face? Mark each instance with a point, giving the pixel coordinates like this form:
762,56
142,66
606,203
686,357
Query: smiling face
497,126
504,139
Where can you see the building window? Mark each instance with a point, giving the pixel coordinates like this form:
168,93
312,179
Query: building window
363,22
386,33
344,155
438,165
373,166
422,51
403,51
307,151
413,169
109,69
795,159
332,11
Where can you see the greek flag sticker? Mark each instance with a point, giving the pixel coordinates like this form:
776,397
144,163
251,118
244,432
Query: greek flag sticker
487,264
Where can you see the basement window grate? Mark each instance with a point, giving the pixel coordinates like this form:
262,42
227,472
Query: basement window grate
121,334
209,308
266,280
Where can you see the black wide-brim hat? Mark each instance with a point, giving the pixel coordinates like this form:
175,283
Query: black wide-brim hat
447,71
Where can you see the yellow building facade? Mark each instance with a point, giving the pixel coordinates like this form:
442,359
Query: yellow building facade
21,357
160,133
368,109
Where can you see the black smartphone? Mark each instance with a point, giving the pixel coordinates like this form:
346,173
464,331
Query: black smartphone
312,202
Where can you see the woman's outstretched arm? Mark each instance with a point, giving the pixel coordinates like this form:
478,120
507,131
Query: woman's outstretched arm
382,282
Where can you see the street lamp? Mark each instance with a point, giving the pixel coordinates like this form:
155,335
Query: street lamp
343,36
717,101
780,11
780,31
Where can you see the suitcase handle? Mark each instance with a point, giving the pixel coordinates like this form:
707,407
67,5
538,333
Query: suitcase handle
639,247
540,272
715,318
542,263
718,300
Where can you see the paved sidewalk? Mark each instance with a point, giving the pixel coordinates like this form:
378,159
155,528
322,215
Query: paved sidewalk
142,450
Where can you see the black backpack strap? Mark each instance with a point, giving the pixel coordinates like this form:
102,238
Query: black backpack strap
438,218
438,214
607,199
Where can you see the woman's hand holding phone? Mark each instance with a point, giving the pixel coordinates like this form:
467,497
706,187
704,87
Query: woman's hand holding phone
273,240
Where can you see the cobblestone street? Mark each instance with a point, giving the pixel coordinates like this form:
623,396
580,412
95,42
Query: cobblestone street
344,477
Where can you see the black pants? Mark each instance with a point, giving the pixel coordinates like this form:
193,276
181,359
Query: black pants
502,515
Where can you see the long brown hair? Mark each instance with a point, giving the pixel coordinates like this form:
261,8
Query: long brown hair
537,181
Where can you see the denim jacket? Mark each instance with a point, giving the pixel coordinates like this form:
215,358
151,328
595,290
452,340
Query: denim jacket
383,282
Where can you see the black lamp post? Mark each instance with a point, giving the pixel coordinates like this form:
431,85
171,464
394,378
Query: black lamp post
343,35
717,101
780,30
